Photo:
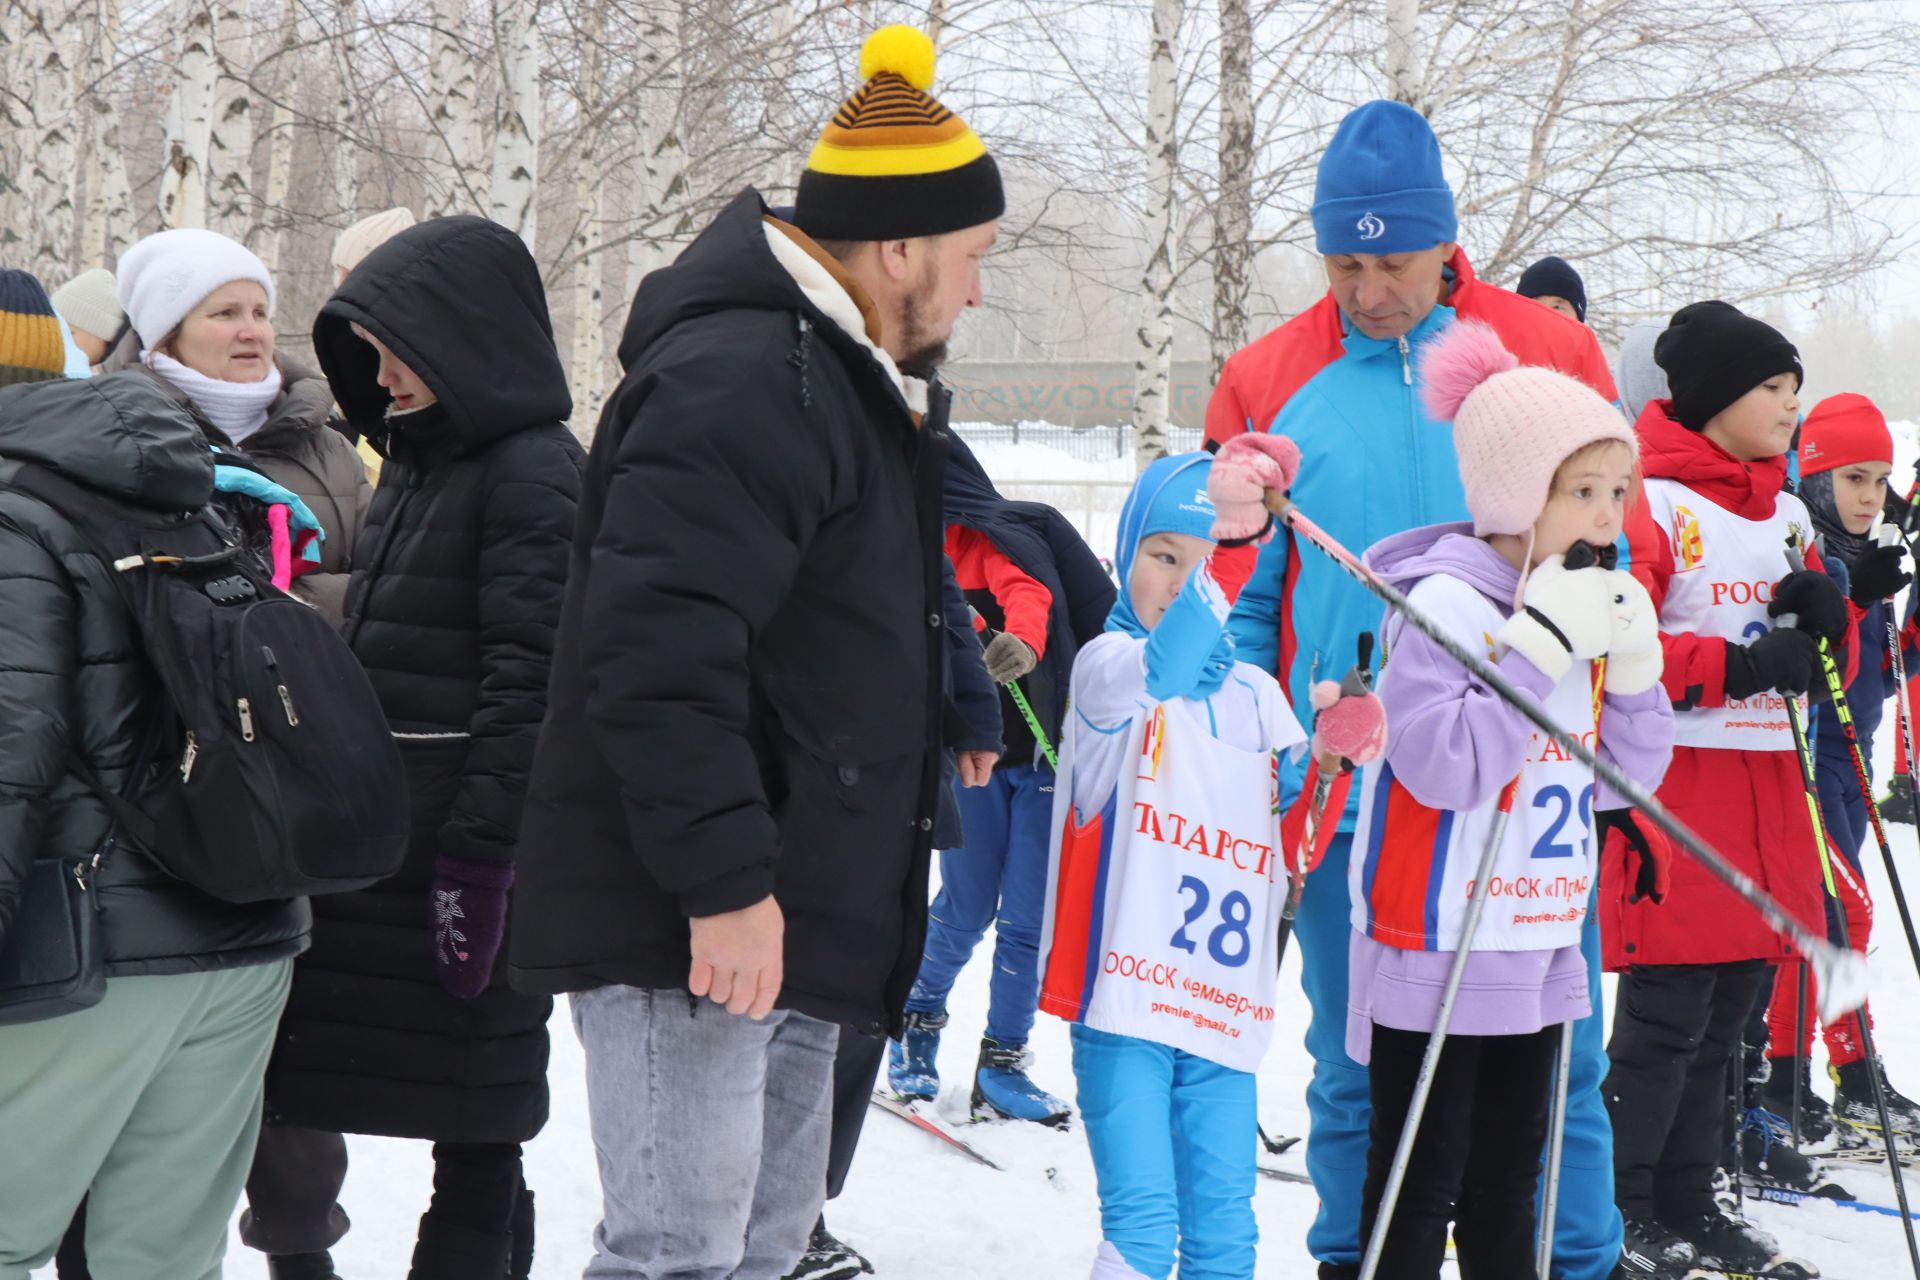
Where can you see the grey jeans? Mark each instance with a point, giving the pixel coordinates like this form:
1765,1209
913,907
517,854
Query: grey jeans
711,1132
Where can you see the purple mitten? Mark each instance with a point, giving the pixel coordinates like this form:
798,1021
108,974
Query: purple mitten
469,919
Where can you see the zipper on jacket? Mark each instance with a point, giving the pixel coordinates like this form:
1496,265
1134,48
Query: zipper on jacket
191,754
286,698
1413,433
1406,363
246,719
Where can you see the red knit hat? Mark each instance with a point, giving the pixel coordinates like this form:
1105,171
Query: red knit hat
1841,431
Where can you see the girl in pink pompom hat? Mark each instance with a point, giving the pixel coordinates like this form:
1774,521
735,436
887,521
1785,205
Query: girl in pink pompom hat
1548,468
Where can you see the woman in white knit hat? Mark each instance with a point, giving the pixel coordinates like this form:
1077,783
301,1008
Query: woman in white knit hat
202,305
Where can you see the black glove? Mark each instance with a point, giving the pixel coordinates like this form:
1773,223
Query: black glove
1785,660
1651,874
1816,603
1877,573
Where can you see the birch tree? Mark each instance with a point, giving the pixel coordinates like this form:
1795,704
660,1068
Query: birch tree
454,89
661,161
1233,214
589,268
50,170
107,226
1153,359
286,92
1402,53
346,185
189,131
230,149
516,139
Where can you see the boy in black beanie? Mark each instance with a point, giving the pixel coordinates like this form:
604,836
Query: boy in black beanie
1708,542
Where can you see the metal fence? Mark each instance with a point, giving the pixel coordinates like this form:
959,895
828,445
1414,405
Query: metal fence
1088,444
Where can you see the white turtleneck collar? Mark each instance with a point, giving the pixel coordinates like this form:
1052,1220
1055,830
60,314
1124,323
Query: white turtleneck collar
238,408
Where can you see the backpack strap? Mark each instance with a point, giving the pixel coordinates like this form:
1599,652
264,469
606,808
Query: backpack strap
133,823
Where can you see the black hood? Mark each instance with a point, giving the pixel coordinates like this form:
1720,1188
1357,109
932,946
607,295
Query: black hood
728,267
123,434
460,301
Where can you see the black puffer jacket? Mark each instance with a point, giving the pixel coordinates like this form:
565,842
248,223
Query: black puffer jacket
72,678
455,598
746,698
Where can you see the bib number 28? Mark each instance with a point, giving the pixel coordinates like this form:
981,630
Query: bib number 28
1228,943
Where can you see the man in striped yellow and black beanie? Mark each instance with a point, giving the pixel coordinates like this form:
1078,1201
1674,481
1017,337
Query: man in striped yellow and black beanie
895,164
31,346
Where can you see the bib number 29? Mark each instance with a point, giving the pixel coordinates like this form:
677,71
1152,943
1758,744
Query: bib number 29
1560,801
1229,943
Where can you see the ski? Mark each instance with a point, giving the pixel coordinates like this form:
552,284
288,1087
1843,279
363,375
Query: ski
1789,1196
931,1127
1285,1175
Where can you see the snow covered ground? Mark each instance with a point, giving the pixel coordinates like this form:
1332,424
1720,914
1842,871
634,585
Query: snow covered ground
922,1213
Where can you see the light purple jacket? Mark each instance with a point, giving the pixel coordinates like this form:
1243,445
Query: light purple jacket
1449,735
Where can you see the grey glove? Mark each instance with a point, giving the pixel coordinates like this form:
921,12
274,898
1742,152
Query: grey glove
1008,658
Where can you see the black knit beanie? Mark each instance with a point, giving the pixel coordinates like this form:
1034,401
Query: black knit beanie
1555,278
1713,353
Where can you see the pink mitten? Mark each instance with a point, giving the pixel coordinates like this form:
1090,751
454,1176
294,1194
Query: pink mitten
1349,725
1244,469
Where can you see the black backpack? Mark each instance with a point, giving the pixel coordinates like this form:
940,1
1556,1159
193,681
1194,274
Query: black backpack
276,773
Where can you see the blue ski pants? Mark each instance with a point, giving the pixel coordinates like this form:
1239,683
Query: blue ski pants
1172,1136
1587,1230
999,874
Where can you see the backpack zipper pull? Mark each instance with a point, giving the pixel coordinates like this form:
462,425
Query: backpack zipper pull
246,719
286,698
186,760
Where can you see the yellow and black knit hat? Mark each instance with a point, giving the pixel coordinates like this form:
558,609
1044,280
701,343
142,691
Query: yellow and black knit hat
31,346
894,163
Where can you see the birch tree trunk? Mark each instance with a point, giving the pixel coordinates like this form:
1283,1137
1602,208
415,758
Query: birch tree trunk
346,194
454,92
661,177
1233,219
183,182
1403,45
230,154
109,220
1153,360
516,138
50,169
780,122
589,268
936,21
280,146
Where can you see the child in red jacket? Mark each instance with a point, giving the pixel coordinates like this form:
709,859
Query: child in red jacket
1709,544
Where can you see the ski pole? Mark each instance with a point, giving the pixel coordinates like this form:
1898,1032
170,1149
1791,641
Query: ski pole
1437,1039
1799,1045
1357,683
1903,711
1794,721
1556,1148
1842,975
1026,710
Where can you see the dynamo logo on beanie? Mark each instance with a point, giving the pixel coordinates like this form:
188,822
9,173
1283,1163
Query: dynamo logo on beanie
1370,227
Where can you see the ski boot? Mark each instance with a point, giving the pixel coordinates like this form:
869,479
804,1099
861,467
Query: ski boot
1003,1091
1897,804
1770,1169
911,1069
302,1266
1854,1107
1817,1131
1728,1242
827,1258
1649,1251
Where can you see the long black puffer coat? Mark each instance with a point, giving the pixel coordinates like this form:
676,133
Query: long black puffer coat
452,609
748,697
72,678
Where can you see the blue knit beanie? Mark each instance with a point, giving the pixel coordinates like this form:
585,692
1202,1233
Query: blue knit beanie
1381,187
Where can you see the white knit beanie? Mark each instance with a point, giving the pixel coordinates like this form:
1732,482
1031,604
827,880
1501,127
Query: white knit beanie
1513,424
368,234
165,276
88,303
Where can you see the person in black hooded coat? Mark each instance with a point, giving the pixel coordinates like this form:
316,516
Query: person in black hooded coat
397,1024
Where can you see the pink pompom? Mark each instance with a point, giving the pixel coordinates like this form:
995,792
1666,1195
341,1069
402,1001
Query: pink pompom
1324,694
1354,728
1458,361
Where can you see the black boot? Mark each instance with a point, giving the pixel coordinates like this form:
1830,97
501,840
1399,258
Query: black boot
448,1252
1816,1117
302,1266
1897,804
520,1257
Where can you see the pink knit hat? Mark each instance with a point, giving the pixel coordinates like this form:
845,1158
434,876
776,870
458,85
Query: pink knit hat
1513,424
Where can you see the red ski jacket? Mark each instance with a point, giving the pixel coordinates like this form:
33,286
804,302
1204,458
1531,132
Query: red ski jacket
1749,805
